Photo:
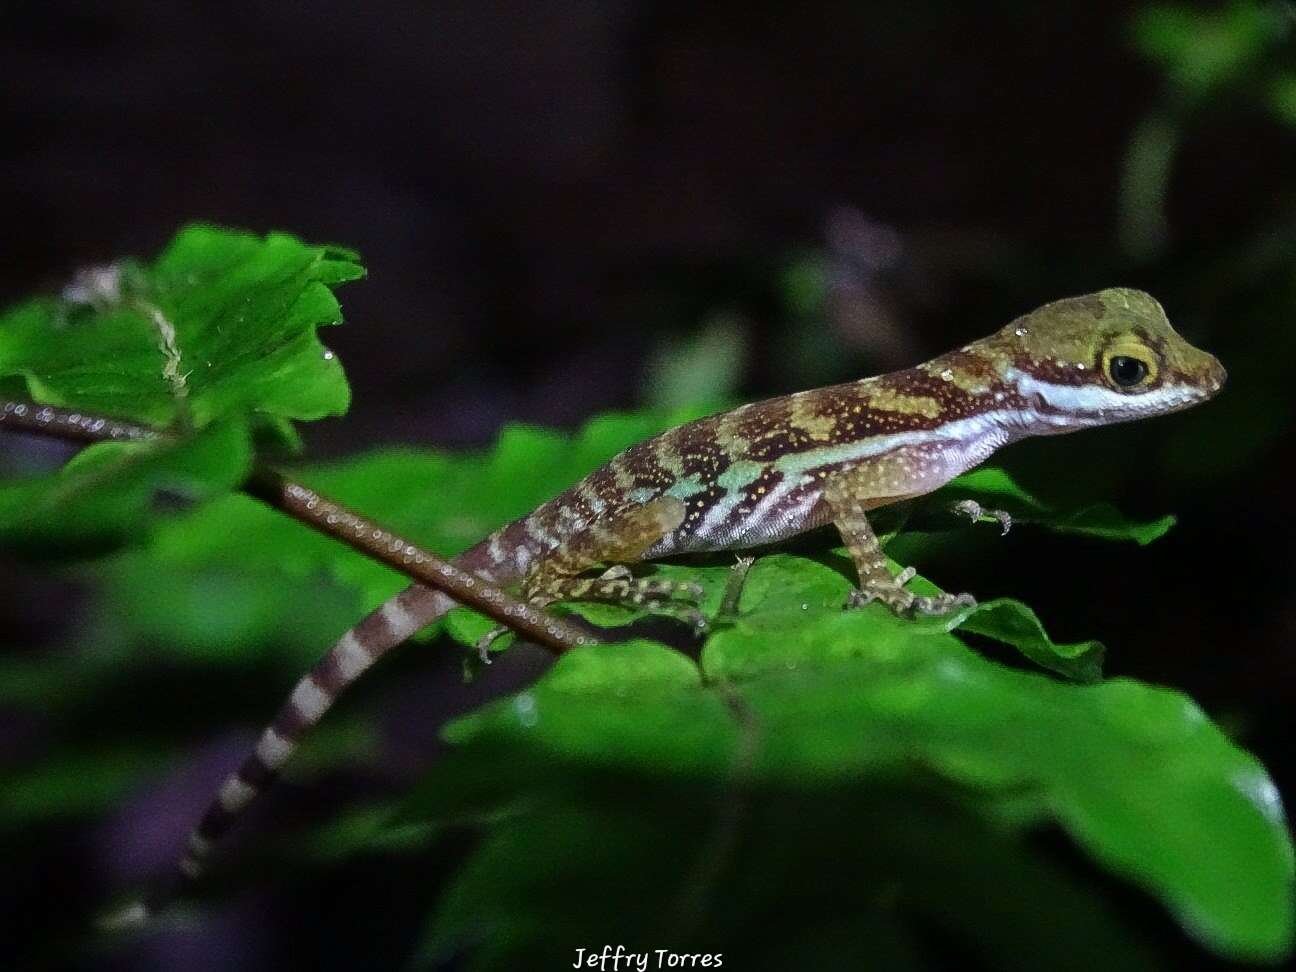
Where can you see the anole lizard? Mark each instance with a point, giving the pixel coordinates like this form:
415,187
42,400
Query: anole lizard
767,471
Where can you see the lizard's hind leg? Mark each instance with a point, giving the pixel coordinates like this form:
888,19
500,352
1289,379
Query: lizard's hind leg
617,585
615,538
618,539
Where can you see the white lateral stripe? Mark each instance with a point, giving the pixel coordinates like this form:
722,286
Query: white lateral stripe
235,794
309,699
273,749
1094,398
351,656
960,430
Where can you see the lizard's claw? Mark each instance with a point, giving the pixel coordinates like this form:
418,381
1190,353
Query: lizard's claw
489,638
975,512
935,605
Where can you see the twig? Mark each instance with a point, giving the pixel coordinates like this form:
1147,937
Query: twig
328,517
323,514
77,426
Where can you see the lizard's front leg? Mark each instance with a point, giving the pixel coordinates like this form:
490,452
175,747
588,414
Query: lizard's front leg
975,513
848,495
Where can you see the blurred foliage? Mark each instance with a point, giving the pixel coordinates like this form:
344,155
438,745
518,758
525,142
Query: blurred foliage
890,772
1237,54
703,367
221,324
216,338
1204,53
107,491
780,706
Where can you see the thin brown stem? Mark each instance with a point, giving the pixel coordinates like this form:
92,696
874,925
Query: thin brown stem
328,517
76,426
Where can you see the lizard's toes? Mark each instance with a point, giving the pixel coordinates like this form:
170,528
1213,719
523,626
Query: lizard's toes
934,605
680,592
857,599
690,592
975,513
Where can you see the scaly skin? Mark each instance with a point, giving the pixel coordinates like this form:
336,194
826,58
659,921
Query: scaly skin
768,471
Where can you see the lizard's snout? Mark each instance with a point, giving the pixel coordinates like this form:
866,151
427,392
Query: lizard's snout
1215,376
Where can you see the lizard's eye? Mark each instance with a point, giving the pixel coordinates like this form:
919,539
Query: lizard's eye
1129,365
1126,371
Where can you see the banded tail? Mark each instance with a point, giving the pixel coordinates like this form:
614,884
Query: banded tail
351,656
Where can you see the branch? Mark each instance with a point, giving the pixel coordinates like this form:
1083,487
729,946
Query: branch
76,426
328,517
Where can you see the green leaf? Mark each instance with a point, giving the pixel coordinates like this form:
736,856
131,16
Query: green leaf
645,699
1013,623
217,336
223,323
994,488
785,590
110,490
696,868
1136,774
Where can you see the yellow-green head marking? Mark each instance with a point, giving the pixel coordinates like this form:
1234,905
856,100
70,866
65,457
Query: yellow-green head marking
1105,357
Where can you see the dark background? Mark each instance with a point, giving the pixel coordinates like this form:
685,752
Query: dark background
552,196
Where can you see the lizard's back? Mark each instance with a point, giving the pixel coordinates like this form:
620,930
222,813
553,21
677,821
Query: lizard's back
746,477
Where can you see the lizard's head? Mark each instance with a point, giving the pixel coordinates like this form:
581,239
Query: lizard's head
1105,357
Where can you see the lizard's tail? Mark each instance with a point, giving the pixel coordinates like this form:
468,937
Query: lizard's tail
349,658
